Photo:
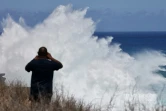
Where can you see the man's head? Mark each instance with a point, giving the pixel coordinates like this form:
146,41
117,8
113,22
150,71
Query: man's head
42,51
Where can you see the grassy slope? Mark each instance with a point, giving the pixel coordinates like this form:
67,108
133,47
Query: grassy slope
15,98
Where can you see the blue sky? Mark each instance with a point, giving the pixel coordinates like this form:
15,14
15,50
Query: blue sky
117,5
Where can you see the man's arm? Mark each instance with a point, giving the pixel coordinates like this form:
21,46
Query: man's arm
57,65
29,67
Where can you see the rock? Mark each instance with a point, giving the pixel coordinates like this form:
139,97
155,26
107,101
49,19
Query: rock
2,79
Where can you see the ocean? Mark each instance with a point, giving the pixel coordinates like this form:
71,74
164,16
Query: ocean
132,42
135,42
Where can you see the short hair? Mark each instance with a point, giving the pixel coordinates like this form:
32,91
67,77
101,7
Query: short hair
42,51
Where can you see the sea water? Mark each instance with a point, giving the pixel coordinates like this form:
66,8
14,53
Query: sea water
96,68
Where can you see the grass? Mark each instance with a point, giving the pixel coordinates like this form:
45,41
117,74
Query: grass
15,97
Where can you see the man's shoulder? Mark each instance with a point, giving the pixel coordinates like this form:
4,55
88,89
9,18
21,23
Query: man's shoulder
33,61
43,61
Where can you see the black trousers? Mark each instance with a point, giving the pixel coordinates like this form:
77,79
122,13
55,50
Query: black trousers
41,92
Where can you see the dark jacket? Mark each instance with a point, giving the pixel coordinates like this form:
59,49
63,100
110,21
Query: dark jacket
42,74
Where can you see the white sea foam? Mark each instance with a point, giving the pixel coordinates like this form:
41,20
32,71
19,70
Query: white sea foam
93,68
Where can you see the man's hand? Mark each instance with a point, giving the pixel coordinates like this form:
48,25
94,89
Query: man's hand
49,56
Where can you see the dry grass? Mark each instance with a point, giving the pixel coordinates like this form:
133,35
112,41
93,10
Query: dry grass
16,98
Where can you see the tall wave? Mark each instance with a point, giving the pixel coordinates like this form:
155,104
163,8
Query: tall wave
94,69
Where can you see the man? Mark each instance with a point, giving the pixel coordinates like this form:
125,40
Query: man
42,67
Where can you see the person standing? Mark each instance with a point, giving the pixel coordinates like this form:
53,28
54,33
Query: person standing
42,67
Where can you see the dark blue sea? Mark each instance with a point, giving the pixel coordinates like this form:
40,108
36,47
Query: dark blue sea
132,42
